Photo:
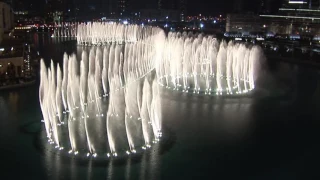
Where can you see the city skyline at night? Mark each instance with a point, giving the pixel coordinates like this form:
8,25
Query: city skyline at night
187,6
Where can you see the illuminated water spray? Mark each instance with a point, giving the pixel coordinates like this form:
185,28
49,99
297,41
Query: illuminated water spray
65,30
109,101
202,64
105,103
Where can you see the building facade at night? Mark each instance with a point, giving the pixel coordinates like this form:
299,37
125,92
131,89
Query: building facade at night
243,23
119,8
305,4
295,17
183,9
6,19
56,10
299,17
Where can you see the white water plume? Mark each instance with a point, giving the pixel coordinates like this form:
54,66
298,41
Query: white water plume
65,30
202,64
109,101
98,96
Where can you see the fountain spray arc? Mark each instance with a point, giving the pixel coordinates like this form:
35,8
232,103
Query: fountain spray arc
66,30
201,64
109,102
106,103
101,33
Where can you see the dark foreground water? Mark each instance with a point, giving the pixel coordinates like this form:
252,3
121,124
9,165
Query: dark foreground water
272,134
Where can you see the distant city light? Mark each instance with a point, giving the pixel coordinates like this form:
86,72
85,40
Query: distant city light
307,10
125,22
201,25
214,21
297,2
292,17
260,39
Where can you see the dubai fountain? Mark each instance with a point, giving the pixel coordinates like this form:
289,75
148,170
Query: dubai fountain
201,64
103,33
108,103
65,30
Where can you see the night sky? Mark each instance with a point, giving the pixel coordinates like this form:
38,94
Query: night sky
211,7
194,7
214,7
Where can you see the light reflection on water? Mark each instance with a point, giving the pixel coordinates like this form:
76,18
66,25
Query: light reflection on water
144,166
217,125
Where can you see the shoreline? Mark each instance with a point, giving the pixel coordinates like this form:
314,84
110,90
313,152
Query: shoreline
13,86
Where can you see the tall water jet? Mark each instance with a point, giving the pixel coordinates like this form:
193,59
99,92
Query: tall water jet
200,64
109,102
107,97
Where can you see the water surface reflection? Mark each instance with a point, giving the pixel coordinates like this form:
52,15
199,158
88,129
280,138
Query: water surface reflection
143,166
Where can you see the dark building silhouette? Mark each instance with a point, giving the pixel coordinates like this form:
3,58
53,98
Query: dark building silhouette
56,5
168,4
179,5
119,8
314,4
183,9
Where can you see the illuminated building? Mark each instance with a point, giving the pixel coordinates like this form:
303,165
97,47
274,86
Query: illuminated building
123,6
56,10
113,8
119,8
12,63
183,9
243,23
295,17
12,67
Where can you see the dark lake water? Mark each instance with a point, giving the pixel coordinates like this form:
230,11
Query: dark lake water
271,134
